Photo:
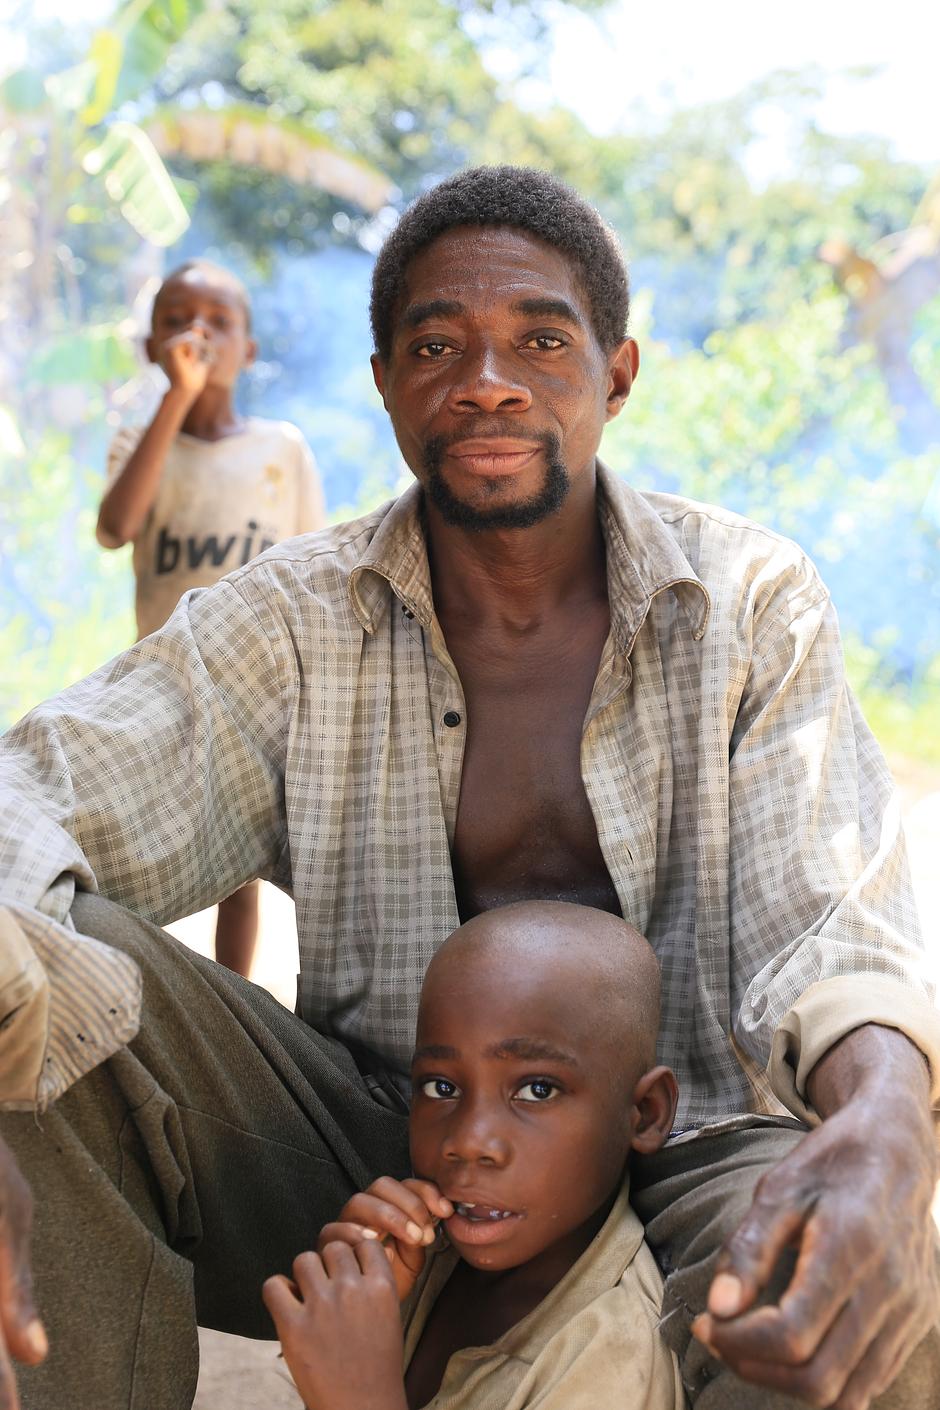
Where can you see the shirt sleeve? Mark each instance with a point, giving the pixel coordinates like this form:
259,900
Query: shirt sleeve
311,505
157,781
825,936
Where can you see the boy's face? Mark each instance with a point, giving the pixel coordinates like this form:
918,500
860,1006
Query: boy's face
522,1113
198,305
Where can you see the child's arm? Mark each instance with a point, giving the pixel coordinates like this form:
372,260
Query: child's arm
185,360
340,1328
402,1215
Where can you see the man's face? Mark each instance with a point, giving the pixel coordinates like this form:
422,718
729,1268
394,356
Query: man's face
496,385
196,305
522,1111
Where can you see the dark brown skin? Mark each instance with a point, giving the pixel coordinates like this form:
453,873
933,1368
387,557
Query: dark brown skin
531,1087
855,1196
499,595
524,611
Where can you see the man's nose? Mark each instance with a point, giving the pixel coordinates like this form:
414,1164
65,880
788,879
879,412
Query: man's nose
488,381
476,1139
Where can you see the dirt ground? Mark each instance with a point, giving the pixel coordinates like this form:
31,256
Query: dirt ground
237,1374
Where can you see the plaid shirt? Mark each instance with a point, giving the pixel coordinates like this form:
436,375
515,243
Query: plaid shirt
289,723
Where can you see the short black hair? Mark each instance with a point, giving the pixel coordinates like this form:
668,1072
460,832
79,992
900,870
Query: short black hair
526,199
214,271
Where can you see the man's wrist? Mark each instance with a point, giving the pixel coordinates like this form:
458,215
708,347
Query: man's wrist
876,1068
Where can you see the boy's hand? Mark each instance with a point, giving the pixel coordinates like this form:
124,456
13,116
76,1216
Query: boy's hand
340,1328
404,1213
186,360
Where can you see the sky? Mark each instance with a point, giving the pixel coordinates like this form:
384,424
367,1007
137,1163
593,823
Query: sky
643,58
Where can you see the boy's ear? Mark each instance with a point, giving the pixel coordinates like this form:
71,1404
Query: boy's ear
251,352
150,348
655,1098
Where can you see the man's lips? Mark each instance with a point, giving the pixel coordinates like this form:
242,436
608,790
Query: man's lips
492,455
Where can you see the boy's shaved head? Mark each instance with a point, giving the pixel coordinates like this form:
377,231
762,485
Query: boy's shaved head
604,968
210,273
533,1079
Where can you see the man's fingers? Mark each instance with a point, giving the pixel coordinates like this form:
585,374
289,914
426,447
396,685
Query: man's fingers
881,1363
9,1400
21,1328
750,1256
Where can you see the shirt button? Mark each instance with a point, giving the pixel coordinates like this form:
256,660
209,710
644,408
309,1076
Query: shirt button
451,719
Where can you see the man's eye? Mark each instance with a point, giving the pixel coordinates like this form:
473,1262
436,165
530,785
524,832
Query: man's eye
433,350
439,1089
540,1089
221,324
545,342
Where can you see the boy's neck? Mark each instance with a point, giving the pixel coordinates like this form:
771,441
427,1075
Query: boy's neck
476,1307
213,415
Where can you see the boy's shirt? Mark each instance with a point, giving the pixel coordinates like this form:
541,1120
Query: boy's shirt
592,1342
219,504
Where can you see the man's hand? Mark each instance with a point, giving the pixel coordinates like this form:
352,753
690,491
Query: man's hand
21,1333
340,1328
854,1199
186,360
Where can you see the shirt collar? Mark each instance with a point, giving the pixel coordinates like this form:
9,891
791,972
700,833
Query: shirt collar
643,560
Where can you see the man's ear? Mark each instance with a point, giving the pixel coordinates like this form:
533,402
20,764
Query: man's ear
655,1098
150,348
622,372
378,376
251,352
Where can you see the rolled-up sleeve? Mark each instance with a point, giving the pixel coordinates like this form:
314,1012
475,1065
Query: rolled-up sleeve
825,932
157,781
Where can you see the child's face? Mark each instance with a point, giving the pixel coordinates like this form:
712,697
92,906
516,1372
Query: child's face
194,304
521,1107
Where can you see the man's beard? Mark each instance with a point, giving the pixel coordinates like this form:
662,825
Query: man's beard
523,515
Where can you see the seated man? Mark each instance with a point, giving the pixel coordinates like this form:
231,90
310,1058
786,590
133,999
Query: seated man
533,1079
521,680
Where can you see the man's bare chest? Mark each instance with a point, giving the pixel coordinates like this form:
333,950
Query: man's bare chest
524,824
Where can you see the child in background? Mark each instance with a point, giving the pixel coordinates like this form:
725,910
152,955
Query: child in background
533,1079
201,489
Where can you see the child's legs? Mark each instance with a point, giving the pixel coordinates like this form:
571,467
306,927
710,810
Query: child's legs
174,1178
691,1197
236,930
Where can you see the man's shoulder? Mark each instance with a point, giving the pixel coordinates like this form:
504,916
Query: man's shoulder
312,566
736,558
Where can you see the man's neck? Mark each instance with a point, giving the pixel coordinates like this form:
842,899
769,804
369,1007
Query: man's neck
514,578
213,416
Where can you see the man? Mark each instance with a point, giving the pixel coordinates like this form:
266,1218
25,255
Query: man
522,680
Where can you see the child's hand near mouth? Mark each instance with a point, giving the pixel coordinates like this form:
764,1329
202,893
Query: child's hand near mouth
402,1214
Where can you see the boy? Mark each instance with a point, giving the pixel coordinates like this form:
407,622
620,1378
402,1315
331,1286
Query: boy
202,489
533,1078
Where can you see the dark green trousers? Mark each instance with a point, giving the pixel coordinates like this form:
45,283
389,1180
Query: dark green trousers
172,1180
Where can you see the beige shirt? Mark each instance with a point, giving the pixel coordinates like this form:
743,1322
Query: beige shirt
219,504
296,722
592,1344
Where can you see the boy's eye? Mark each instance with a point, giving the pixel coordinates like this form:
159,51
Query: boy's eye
540,1089
220,323
439,1089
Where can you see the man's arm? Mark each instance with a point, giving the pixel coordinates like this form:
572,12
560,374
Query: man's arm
159,782
828,977
855,1196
